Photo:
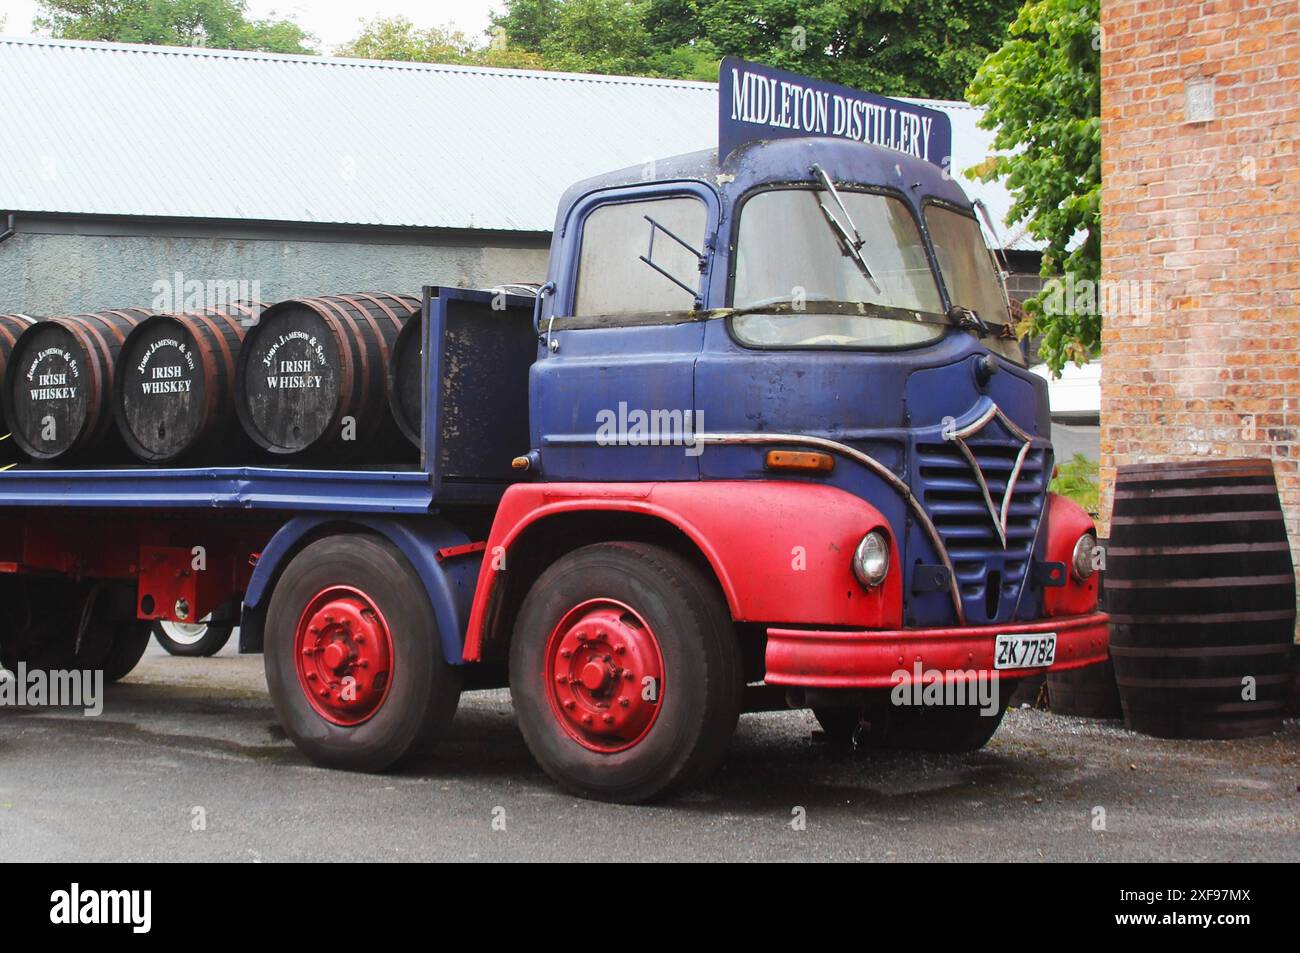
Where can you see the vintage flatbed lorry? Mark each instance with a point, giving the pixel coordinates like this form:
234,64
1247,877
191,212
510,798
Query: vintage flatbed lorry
762,439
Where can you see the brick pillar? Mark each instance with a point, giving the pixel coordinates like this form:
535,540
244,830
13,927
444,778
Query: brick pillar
1205,208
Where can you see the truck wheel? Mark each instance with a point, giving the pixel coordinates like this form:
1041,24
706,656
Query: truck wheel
353,661
55,611
201,639
952,729
114,647
625,672
40,618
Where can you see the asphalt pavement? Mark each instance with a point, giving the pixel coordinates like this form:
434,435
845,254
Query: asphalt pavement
187,763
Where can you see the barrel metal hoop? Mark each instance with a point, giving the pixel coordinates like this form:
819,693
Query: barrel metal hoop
5,330
98,364
212,399
1199,651
1252,516
117,332
235,325
415,304
1202,582
330,309
392,315
380,340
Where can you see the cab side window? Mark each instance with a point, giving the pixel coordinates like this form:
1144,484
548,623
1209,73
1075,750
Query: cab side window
613,280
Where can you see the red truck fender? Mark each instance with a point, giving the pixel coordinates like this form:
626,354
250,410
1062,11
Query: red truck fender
780,550
1066,522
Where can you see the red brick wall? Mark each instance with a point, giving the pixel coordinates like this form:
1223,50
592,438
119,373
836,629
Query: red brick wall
1209,214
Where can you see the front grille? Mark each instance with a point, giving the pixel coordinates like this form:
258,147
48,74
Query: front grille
951,495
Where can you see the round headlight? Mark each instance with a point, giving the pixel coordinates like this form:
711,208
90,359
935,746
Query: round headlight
871,559
1081,561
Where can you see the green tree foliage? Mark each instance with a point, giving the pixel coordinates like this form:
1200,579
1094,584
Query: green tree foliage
397,38
596,36
222,24
1078,479
898,47
527,22
1042,93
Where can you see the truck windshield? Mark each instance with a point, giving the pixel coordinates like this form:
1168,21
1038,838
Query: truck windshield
965,263
787,254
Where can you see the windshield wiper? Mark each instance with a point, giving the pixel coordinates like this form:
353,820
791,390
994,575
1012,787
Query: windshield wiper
850,240
999,254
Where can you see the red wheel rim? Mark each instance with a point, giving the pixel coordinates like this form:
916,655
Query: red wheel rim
344,655
604,675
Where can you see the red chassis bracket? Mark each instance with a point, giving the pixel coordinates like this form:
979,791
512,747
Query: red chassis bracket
779,549
822,659
175,585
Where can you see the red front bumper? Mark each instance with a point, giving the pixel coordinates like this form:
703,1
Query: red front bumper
873,659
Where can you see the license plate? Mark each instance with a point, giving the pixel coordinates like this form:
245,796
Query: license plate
1036,650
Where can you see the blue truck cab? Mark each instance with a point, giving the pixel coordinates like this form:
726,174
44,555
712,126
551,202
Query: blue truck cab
765,327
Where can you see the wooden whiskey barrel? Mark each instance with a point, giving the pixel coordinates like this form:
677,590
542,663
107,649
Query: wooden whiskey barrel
59,385
174,385
1201,592
11,325
406,380
1088,692
312,375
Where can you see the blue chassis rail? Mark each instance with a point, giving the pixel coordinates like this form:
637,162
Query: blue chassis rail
257,488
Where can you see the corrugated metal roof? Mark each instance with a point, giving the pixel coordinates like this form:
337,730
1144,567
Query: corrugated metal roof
175,132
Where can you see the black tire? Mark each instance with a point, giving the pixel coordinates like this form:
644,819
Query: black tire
217,630
838,724
39,616
55,612
952,729
863,726
925,728
424,690
702,675
114,647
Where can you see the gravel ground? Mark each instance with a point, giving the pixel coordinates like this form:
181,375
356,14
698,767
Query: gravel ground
193,743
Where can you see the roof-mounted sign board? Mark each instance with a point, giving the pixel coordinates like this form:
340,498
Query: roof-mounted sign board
760,102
